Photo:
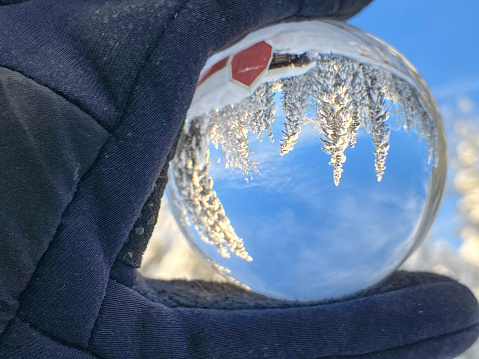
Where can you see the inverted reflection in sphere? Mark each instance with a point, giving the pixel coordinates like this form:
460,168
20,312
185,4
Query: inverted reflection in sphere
311,163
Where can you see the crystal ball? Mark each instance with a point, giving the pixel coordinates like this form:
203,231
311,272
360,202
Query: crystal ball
312,161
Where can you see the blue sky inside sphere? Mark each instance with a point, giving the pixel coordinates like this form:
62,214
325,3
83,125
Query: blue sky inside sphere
308,238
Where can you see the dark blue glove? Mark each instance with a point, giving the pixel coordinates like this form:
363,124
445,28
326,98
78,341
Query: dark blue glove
93,94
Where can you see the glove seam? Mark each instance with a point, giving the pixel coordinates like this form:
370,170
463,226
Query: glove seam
49,336
122,117
73,194
145,62
62,95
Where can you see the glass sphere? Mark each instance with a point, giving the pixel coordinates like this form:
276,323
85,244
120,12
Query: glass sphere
311,163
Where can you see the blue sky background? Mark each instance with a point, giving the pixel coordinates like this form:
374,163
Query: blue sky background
440,38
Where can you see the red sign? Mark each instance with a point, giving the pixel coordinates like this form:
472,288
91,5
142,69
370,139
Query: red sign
248,64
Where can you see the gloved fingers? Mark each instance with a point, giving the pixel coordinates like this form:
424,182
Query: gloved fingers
410,315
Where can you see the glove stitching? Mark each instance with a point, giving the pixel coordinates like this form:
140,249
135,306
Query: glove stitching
73,194
49,336
62,95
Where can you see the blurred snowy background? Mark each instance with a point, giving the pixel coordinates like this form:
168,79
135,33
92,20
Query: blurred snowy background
439,38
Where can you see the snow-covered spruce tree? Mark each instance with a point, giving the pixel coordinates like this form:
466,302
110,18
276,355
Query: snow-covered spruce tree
359,108
295,104
348,96
335,120
378,115
263,111
196,186
228,129
335,138
407,100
